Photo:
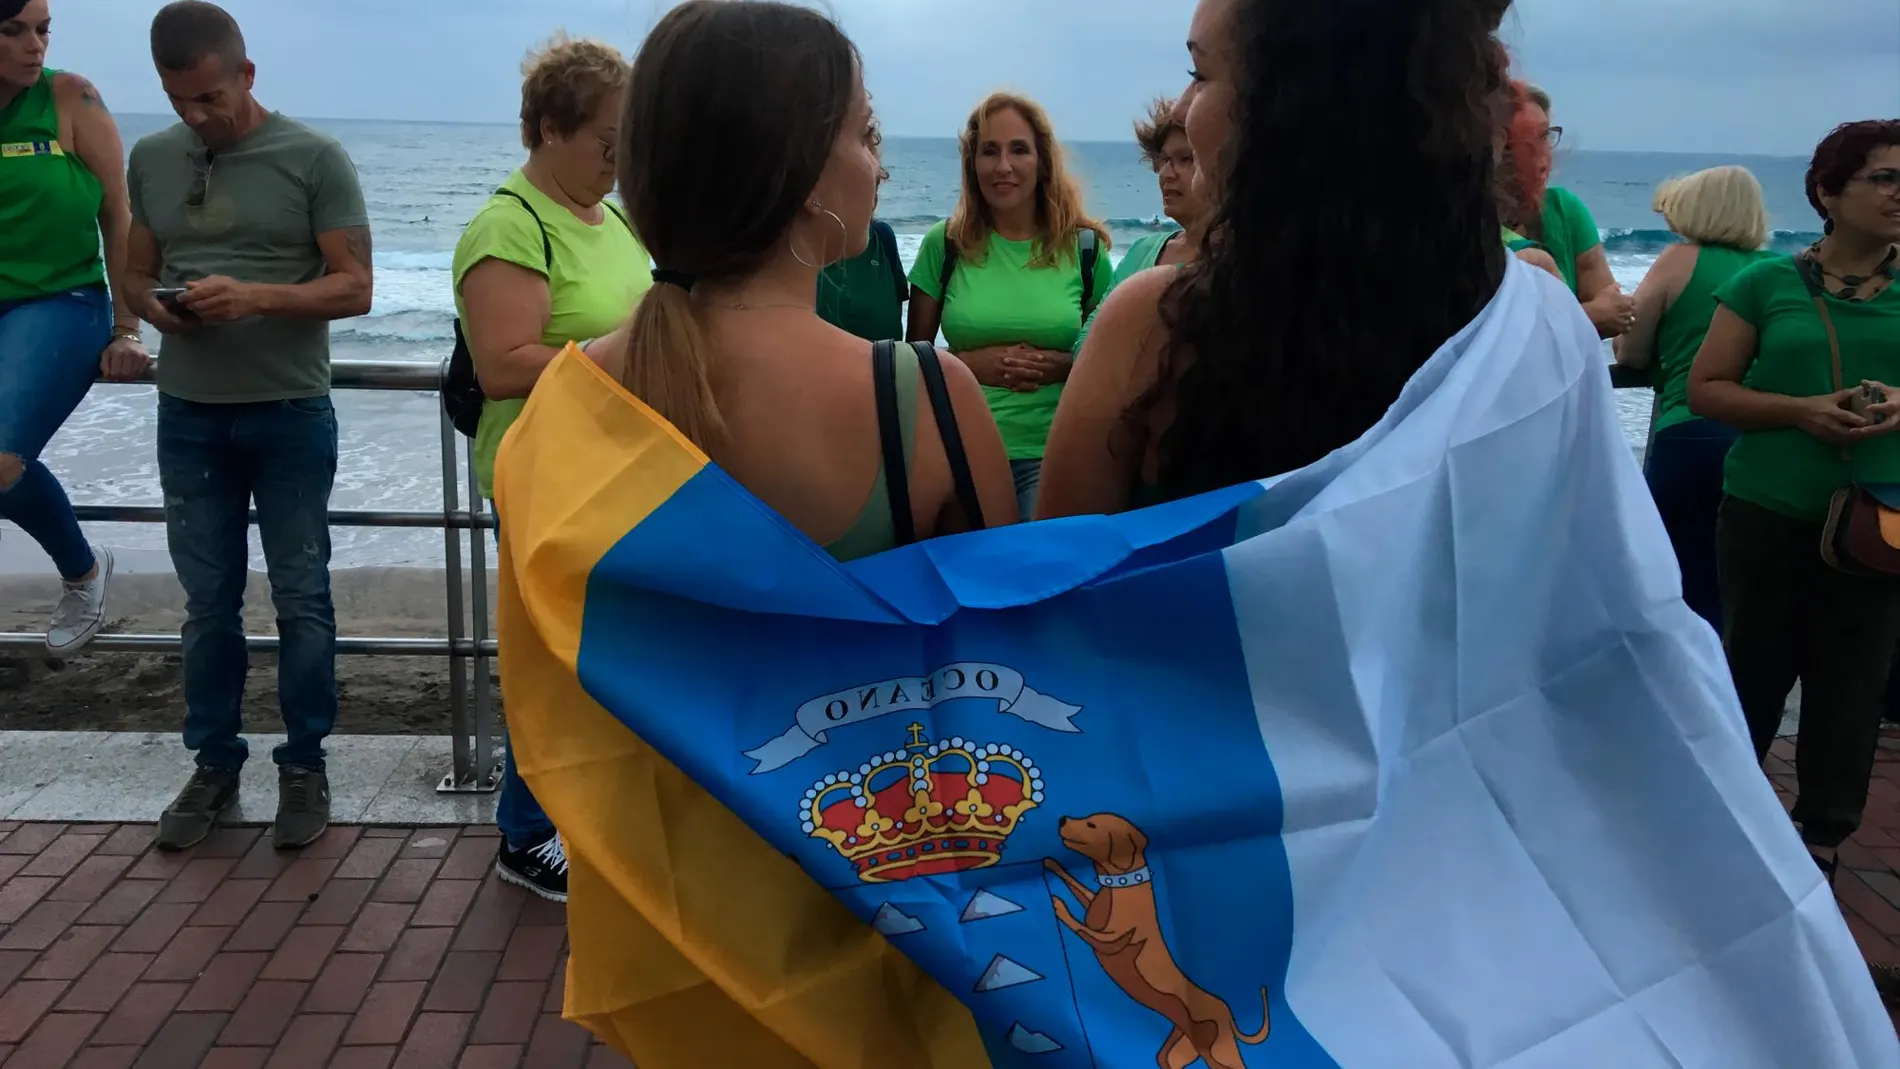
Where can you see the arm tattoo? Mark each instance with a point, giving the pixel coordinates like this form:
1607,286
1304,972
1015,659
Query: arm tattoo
89,94
356,240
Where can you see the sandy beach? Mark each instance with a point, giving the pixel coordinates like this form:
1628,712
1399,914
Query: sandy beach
98,691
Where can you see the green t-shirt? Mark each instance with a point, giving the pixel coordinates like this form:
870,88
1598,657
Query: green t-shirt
1679,335
1139,257
1004,301
1785,469
865,295
1569,231
600,270
1515,242
49,203
266,199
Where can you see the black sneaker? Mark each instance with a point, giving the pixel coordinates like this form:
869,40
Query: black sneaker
303,807
193,814
541,868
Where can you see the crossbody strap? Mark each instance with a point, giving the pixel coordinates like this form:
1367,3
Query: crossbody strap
890,433
547,245
940,405
1808,270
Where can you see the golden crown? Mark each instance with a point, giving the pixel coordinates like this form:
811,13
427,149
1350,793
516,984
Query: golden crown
930,807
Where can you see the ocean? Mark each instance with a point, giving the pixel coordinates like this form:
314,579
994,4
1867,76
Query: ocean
423,181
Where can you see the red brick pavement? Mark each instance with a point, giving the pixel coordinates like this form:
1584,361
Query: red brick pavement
391,948
375,948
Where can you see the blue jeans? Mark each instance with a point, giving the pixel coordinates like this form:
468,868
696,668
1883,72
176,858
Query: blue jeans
518,815
1028,476
1684,469
213,461
49,355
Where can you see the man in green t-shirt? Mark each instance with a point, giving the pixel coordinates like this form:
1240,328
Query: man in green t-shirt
255,224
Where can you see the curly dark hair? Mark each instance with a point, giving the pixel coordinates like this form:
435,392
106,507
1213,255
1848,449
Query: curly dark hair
1362,139
1842,152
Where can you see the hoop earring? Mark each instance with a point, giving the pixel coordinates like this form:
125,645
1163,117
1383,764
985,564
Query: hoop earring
844,237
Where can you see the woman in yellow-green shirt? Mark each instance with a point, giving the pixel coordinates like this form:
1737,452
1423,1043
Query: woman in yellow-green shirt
547,260
1766,368
1016,298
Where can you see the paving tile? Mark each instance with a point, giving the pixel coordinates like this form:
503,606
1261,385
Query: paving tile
385,1015
72,953
302,880
106,1058
154,928
230,902
338,902
434,1041
445,903
606,1058
42,926
558,1044
377,927
557,989
22,893
130,840
56,1040
225,979
368,858
417,954
14,964
159,865
229,842
107,981
363,1057
235,1058
200,877
491,919
336,842
62,855
463,982
91,878
264,1014
303,952
140,1014
22,1005
11,864
262,861
509,1013
31,838
532,954
343,983
187,954
430,842
470,859
406,880
266,926
182,1040
491,1056
122,902
308,1042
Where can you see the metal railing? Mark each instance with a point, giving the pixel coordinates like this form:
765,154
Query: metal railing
468,645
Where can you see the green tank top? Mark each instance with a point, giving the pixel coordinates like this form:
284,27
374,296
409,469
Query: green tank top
874,532
1684,325
49,203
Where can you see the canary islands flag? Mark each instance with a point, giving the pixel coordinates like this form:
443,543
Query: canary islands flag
1411,758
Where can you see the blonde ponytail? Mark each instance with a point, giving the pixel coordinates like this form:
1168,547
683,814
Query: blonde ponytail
668,365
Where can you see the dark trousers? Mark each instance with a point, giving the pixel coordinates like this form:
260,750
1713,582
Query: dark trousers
1684,469
1787,617
214,462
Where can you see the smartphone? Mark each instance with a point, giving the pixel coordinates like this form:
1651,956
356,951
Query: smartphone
168,296
1873,395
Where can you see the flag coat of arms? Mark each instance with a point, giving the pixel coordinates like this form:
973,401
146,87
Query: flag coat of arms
1411,758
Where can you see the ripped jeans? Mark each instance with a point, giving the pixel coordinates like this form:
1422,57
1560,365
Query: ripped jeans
214,460
49,353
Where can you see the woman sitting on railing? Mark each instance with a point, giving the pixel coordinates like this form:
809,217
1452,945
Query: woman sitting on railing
62,199
546,261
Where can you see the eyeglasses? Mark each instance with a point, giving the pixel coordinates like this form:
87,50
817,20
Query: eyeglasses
1555,136
606,148
201,185
1885,181
1180,165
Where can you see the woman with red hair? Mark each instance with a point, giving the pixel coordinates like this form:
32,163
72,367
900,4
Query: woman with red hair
1552,217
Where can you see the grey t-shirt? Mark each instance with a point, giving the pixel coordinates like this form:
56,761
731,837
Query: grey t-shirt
266,200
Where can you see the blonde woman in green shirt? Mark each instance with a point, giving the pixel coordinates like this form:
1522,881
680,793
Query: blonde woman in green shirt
1016,297
1724,223
1767,368
547,260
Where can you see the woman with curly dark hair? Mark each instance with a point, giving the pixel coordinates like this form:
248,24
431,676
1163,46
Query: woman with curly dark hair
1269,351
1796,358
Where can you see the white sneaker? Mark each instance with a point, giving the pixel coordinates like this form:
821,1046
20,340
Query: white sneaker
82,608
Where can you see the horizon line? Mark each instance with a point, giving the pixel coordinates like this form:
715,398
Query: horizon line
939,137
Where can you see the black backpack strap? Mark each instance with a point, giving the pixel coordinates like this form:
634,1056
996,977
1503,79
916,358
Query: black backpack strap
890,433
949,268
618,214
1089,252
946,414
547,245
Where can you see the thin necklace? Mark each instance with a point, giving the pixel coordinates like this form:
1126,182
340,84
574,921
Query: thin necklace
788,305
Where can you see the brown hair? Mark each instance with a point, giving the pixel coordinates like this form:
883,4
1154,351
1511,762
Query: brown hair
187,31
1059,209
1152,132
563,82
1843,151
733,109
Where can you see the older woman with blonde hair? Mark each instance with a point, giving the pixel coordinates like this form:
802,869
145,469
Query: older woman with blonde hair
1012,275
546,261
1721,217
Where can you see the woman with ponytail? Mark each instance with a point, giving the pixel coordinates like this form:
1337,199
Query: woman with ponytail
748,162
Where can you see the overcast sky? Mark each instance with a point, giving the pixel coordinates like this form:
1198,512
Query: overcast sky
1729,76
